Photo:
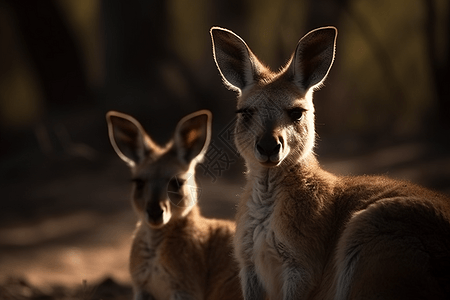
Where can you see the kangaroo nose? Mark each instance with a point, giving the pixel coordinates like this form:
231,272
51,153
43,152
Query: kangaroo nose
154,214
266,150
268,146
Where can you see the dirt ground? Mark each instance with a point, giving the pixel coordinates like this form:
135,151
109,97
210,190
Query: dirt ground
66,222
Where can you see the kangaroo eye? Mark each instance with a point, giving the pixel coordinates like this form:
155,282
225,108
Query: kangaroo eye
246,113
175,184
296,114
139,183
174,190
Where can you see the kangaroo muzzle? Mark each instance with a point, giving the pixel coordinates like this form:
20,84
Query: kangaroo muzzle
155,214
268,150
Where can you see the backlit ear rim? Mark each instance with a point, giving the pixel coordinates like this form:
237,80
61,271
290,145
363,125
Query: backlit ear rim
237,65
128,138
193,136
314,57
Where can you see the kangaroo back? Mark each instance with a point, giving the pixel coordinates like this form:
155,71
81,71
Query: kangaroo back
303,233
176,253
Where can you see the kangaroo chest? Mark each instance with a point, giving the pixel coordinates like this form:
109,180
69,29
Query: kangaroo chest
276,246
263,239
159,280
151,273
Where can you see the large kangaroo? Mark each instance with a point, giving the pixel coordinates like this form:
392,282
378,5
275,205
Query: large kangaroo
176,253
303,233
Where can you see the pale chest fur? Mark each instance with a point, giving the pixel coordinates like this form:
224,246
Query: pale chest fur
273,236
258,239
147,271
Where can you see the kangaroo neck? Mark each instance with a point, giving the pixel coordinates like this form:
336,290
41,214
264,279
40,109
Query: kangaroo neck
301,168
304,181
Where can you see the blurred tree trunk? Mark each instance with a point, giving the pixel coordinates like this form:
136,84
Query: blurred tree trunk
324,13
329,12
135,39
440,66
53,51
139,57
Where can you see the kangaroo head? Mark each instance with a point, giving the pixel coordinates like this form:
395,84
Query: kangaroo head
164,183
275,121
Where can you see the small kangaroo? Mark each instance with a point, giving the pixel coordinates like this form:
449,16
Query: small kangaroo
303,233
176,253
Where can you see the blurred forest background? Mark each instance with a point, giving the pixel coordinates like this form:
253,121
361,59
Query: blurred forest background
64,63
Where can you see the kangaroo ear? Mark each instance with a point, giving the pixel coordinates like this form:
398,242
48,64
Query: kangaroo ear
313,57
128,138
237,64
192,136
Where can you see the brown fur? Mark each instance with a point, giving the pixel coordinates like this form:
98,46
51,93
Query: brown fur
303,233
176,253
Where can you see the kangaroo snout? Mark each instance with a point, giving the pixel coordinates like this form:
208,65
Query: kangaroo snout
268,150
155,215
